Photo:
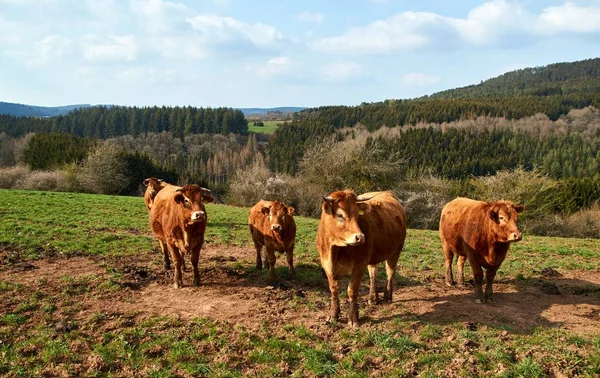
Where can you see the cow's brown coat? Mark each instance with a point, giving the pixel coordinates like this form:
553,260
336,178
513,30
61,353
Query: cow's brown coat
354,235
178,220
272,225
153,186
480,232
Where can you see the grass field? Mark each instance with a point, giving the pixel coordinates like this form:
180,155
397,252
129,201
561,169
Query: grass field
268,128
83,293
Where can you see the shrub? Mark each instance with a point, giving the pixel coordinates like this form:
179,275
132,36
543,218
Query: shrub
11,176
585,223
252,184
43,180
47,151
531,188
105,170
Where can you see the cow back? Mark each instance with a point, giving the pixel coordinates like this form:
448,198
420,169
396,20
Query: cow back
384,226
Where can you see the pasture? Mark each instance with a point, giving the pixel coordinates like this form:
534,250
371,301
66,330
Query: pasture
83,293
268,128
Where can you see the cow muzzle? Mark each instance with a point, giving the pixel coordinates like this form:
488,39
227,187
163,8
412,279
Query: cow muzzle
276,227
515,236
356,239
198,216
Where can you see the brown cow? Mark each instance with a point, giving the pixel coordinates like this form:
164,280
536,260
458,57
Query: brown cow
356,232
178,220
480,232
272,225
153,186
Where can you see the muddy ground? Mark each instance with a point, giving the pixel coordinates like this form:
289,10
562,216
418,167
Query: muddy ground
232,291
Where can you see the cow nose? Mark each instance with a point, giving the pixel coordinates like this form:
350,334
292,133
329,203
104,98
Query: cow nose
198,215
359,238
276,227
517,236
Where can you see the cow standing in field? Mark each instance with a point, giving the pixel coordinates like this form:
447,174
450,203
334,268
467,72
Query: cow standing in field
153,186
356,233
178,220
272,225
480,232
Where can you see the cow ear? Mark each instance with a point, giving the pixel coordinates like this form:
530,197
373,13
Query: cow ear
493,213
519,208
290,210
179,198
208,198
159,180
265,210
146,182
363,207
328,205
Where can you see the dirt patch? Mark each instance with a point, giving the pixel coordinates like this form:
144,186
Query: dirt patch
232,291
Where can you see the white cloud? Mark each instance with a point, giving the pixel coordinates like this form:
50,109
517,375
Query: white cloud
495,22
159,16
404,31
311,17
341,71
275,66
419,79
569,18
51,47
216,29
109,49
189,48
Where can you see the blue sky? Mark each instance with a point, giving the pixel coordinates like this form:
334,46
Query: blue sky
266,53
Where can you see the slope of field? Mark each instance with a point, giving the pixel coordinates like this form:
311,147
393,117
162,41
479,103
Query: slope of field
83,293
268,128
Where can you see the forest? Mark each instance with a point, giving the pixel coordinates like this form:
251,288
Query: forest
466,141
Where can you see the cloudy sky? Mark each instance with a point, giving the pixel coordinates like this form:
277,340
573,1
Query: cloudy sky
266,53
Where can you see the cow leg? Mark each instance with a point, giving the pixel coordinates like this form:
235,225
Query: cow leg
448,258
373,297
353,287
461,270
195,257
390,269
183,268
177,258
259,263
272,259
289,254
165,251
490,274
334,288
478,277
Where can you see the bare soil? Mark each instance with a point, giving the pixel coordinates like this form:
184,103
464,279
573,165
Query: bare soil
232,291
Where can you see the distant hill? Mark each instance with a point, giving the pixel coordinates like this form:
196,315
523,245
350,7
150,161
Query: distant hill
264,111
551,80
20,110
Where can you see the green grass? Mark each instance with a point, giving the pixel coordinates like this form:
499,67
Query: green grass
268,128
43,330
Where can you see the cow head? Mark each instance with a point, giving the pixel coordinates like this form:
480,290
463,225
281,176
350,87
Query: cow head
278,215
192,198
504,216
153,186
339,215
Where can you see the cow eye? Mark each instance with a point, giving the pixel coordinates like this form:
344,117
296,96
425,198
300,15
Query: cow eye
501,217
339,217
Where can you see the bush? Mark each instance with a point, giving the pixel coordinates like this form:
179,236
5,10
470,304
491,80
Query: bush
252,184
11,176
43,180
105,170
585,223
423,199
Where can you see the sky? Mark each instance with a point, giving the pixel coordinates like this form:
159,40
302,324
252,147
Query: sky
268,53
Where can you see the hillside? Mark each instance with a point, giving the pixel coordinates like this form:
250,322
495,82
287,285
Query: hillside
554,79
21,110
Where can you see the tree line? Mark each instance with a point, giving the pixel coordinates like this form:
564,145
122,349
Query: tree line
103,122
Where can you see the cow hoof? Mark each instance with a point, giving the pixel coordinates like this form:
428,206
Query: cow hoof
196,282
490,300
167,267
177,285
449,284
387,300
479,301
352,324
